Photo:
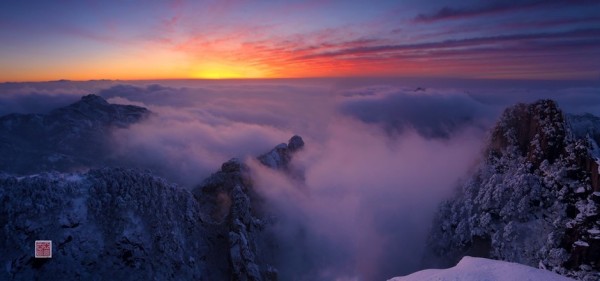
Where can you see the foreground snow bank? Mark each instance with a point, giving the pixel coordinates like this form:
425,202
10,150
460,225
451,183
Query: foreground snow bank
477,269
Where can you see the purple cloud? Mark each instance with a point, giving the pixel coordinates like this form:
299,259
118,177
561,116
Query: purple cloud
495,7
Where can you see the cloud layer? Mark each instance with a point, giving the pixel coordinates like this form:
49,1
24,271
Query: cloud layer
363,211
379,156
397,110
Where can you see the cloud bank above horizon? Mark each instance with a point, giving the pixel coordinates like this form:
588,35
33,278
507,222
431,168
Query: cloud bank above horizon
78,40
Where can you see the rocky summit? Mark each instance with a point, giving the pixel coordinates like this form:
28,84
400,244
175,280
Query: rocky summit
533,199
280,156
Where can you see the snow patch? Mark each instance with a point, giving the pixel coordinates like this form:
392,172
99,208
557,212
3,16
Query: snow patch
476,269
593,231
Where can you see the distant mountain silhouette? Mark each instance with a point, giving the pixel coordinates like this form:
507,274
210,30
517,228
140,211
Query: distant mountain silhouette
65,139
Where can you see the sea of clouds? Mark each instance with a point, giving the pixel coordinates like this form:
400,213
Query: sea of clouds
379,157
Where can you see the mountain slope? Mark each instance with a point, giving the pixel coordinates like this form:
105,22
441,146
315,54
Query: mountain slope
533,200
106,224
66,138
125,224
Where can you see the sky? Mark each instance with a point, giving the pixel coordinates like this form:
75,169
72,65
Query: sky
92,39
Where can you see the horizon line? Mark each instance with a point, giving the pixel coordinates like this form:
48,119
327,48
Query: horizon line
63,80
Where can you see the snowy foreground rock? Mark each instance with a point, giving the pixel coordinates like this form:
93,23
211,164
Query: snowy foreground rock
480,269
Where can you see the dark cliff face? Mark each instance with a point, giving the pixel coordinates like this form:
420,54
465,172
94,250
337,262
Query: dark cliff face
532,200
65,139
239,214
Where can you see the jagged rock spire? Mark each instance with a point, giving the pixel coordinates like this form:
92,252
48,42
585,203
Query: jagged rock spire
229,197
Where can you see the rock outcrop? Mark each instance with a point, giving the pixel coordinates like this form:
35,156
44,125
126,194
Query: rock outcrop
280,156
532,200
238,210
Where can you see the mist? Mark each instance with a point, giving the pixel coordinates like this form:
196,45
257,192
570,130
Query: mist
377,162
364,209
379,157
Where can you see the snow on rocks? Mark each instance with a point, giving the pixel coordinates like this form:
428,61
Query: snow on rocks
593,231
107,224
229,198
280,156
534,195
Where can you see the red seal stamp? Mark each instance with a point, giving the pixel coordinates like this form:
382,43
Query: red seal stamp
43,249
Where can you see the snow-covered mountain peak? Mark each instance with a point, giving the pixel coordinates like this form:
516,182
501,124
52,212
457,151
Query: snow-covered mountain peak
531,201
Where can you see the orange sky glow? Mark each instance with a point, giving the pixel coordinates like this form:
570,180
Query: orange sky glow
235,39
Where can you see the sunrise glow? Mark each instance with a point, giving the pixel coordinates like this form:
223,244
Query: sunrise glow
216,70
216,40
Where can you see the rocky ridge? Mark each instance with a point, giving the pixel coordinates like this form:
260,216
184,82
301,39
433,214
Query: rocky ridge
115,223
